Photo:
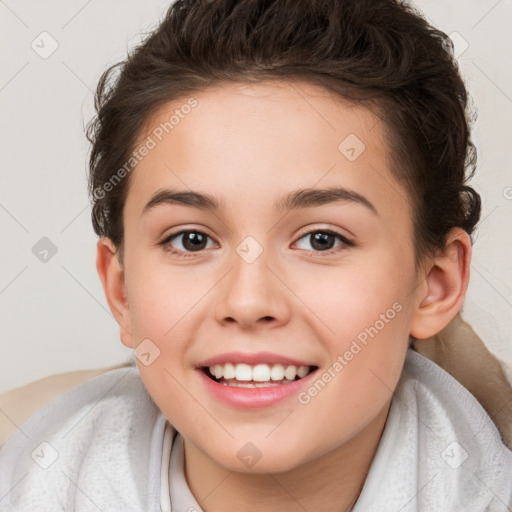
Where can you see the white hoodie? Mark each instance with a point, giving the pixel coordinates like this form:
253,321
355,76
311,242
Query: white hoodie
100,446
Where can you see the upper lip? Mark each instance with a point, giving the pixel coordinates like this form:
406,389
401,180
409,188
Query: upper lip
252,359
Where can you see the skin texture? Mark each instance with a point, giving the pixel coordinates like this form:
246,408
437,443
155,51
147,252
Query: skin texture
248,146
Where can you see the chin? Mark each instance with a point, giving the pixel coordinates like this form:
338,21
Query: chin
250,459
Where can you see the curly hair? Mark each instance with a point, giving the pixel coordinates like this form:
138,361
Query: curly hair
382,54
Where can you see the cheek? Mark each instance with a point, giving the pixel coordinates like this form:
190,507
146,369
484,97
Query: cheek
350,299
366,310
162,299
168,389
366,356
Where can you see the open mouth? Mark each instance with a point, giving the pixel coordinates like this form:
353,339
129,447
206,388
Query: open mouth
256,376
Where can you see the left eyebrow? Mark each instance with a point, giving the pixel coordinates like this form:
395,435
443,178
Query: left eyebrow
310,197
302,198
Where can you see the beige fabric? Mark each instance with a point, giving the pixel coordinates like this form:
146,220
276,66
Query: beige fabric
457,349
19,404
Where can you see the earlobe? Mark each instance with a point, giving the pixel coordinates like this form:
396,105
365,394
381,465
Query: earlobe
112,278
446,284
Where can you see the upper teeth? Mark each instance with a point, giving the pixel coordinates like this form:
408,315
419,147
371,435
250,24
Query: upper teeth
259,372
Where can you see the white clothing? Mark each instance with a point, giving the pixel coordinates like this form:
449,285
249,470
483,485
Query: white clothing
101,446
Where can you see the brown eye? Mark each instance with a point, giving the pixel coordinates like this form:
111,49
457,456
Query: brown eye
186,242
324,241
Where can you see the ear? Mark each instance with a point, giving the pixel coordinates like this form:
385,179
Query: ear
444,288
112,278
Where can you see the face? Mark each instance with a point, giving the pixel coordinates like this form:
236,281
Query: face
268,277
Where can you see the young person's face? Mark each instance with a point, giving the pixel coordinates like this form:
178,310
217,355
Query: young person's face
258,283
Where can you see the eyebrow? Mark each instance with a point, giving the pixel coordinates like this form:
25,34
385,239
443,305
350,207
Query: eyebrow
297,199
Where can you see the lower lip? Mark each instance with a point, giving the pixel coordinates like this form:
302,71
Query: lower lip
250,398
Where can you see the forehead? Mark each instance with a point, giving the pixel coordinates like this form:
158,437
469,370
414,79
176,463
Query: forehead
255,142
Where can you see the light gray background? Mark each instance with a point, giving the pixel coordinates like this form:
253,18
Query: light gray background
54,316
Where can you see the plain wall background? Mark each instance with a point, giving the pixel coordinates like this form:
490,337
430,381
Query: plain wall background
54,316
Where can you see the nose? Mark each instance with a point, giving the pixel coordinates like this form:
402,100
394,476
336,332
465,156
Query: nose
252,296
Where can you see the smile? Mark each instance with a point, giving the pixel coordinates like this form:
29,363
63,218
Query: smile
256,376
254,381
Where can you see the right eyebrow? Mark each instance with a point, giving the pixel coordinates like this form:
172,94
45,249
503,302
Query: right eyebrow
185,198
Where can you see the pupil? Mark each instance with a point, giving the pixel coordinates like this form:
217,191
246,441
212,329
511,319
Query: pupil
193,241
322,241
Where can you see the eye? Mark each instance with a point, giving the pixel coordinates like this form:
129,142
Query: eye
187,241
324,240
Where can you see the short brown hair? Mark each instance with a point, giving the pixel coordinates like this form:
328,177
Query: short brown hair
380,53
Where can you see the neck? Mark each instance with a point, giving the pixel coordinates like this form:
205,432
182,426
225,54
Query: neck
331,482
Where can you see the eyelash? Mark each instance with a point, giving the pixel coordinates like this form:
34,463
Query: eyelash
181,254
